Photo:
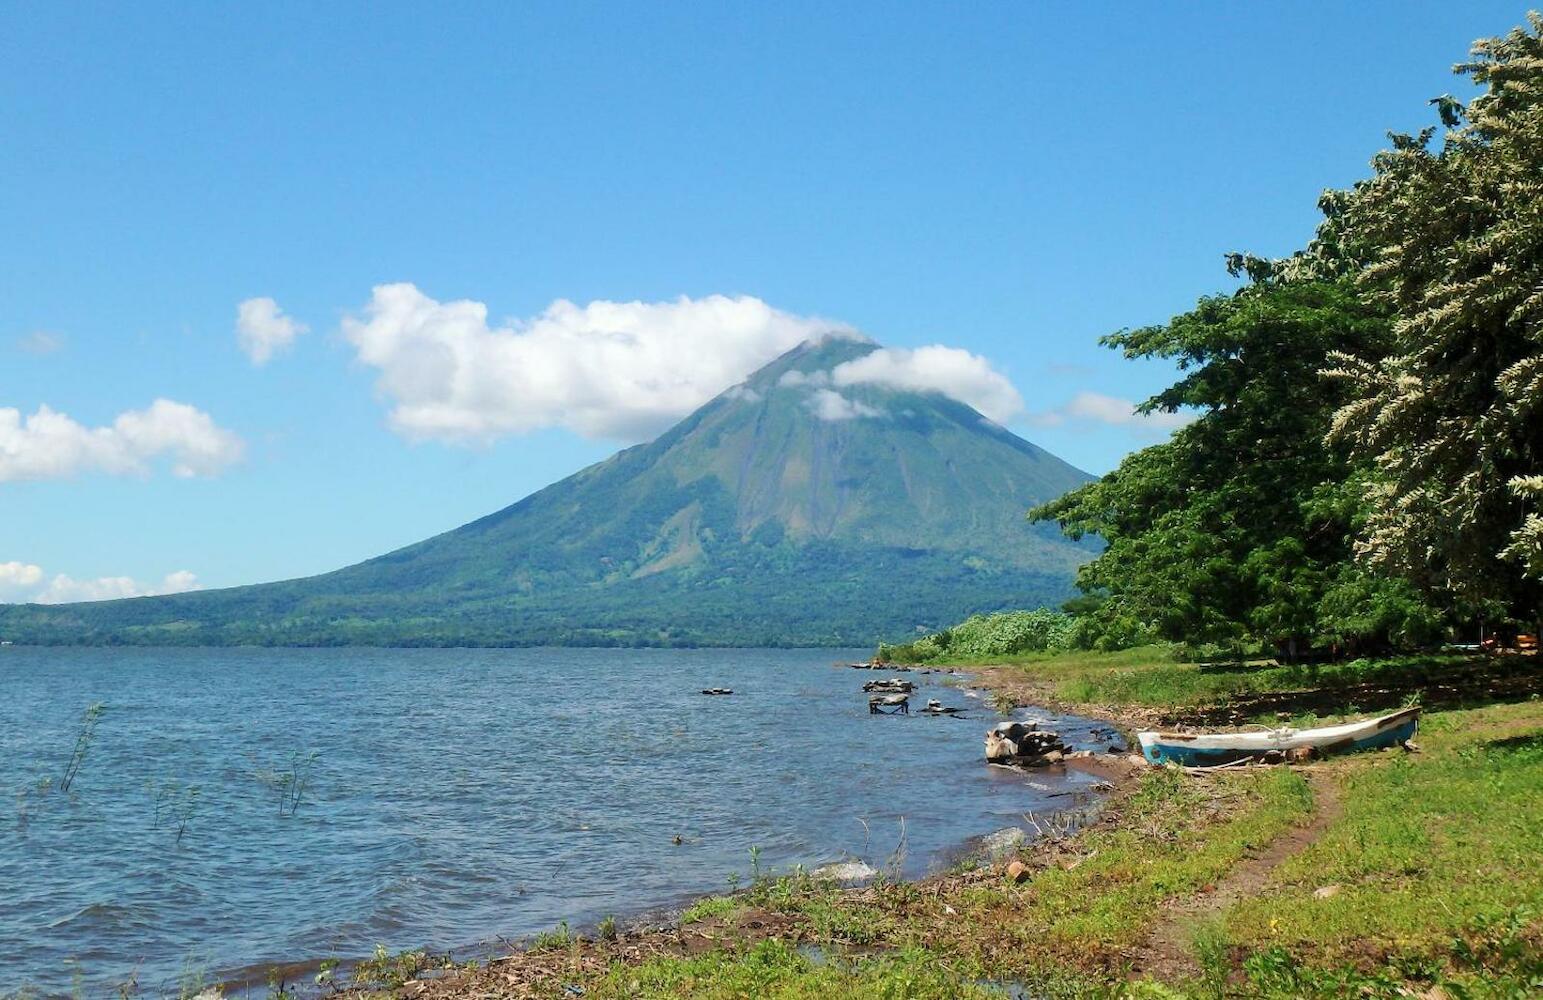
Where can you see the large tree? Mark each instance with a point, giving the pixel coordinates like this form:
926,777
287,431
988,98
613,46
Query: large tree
1449,238
1238,529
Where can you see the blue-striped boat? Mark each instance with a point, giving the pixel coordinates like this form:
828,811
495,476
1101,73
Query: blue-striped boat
1211,749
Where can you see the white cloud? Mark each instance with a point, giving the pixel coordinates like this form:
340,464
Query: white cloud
828,404
1095,407
18,577
958,374
63,589
40,342
263,330
623,370
793,378
19,584
50,445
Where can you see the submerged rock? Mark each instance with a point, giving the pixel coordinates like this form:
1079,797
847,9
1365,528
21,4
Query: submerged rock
1002,841
845,871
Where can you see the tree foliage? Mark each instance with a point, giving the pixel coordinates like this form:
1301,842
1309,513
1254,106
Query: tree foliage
1450,239
1236,529
1369,445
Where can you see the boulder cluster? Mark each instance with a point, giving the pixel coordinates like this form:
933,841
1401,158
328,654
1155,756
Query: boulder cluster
1023,743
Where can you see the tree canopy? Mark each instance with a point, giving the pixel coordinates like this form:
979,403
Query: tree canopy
1368,442
1450,240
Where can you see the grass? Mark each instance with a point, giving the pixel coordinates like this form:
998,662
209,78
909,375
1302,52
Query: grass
1173,840
776,970
1436,860
710,906
1149,677
558,937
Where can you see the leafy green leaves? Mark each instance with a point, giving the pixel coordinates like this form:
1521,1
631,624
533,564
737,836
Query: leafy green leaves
1226,534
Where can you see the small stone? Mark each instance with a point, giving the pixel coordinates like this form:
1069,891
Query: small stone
1018,872
1326,892
1135,760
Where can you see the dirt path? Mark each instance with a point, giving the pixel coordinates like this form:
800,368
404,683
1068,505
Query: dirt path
1166,954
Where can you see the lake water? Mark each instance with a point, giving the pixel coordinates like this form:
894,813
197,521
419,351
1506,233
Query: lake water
455,796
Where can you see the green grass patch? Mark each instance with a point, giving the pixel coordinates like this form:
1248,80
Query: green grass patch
712,906
777,970
1435,860
1150,677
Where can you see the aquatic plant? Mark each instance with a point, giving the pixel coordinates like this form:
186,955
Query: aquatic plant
896,862
83,737
278,986
130,984
193,979
383,969
173,801
325,973
290,779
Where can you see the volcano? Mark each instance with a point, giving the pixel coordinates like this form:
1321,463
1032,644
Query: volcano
786,511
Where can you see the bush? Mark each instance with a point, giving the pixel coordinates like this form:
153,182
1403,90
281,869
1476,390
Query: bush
985,636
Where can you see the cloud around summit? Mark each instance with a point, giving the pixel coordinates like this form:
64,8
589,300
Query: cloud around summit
952,371
618,370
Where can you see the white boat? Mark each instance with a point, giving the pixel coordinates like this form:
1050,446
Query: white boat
1209,749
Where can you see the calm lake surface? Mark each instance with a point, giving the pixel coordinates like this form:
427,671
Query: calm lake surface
456,795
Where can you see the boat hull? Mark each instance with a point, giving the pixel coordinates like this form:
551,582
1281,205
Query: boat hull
1212,749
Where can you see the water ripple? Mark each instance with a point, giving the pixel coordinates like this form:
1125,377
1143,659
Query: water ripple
456,795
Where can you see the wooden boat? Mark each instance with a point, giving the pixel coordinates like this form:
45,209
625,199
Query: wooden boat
1210,749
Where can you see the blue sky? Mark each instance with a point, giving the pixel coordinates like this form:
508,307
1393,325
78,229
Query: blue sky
1009,180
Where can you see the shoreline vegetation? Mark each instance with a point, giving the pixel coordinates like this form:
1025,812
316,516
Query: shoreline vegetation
1386,874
